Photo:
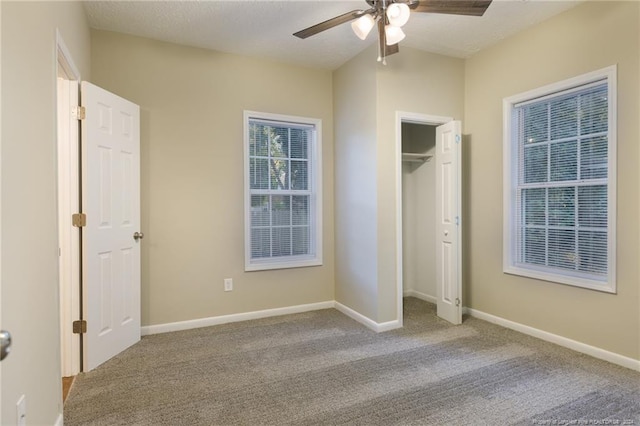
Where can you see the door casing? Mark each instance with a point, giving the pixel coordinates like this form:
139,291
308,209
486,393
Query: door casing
68,203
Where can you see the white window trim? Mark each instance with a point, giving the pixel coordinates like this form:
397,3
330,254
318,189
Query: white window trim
510,178
315,157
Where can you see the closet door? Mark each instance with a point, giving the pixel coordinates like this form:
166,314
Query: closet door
448,227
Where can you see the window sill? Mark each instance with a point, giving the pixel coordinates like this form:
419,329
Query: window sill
603,286
281,264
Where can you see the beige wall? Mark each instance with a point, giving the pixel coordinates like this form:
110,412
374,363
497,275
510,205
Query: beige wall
191,103
589,37
417,82
29,204
354,94
413,81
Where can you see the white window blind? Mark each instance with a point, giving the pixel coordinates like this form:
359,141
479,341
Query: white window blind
560,197
282,191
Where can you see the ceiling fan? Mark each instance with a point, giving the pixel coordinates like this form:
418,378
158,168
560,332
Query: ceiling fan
390,16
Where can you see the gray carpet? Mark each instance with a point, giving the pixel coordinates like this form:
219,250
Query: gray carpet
322,368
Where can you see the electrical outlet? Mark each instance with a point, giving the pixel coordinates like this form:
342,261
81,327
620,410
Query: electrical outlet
21,411
228,284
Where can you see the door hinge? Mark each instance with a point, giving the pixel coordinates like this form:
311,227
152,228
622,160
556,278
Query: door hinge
79,112
79,220
79,327
457,138
457,220
457,302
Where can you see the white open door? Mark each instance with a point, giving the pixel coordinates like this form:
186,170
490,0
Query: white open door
111,202
448,227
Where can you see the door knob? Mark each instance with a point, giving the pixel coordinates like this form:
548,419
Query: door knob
138,236
5,344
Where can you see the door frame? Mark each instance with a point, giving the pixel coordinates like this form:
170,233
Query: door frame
68,186
416,118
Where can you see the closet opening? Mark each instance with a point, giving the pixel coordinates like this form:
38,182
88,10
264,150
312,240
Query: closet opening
418,211
428,212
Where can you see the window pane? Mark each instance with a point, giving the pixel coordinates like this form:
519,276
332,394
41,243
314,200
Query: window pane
301,240
281,221
559,201
260,243
252,139
281,210
279,173
594,111
535,164
299,175
592,252
281,241
535,123
534,246
259,172
564,161
592,206
259,210
534,206
564,118
299,142
300,210
258,140
279,141
562,248
593,158
562,204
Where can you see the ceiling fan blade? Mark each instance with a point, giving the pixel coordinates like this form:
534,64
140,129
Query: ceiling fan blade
452,7
394,48
330,23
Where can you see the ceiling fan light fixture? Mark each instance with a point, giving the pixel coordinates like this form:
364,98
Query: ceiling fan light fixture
362,26
393,34
390,16
398,14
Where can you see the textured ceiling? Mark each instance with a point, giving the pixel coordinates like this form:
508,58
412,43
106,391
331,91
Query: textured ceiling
264,29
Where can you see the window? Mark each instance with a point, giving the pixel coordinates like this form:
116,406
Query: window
559,182
283,216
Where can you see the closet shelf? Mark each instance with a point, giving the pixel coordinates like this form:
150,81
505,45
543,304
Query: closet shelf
411,157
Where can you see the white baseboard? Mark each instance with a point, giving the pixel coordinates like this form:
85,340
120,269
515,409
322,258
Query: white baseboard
377,327
224,319
593,351
59,420
421,296
387,326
